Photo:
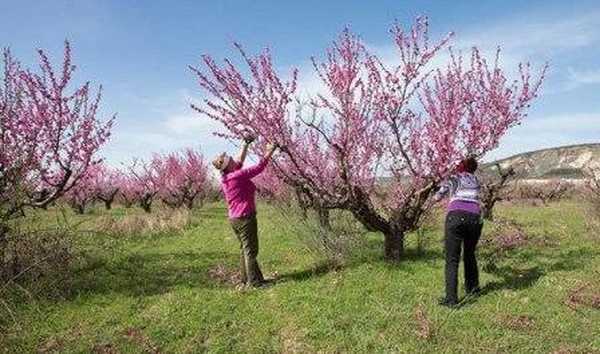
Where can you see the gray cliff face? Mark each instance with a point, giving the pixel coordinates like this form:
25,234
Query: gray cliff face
560,162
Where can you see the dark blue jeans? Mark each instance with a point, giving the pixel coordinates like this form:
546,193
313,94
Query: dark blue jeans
463,230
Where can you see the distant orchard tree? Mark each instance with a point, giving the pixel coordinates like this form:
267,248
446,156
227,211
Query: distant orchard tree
184,179
146,181
105,184
83,194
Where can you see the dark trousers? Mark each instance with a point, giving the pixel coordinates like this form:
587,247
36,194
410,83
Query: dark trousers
462,228
246,230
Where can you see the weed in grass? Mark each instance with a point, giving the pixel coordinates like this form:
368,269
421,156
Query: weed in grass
583,295
104,348
224,275
424,326
517,322
136,336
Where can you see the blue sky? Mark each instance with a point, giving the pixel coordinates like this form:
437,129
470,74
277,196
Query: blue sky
139,51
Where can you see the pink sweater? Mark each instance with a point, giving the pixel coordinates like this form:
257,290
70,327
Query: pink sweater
239,190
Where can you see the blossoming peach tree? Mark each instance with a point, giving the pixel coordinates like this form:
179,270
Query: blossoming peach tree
407,119
49,134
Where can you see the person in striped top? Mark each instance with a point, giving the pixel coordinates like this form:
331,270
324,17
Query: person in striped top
462,229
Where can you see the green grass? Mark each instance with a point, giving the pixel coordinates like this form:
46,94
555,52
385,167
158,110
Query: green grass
154,293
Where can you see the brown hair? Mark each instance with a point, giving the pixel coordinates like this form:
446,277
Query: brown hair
469,164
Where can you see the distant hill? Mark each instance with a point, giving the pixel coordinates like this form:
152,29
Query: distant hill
559,162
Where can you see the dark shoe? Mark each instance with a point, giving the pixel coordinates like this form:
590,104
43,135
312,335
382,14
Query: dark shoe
448,303
260,285
474,292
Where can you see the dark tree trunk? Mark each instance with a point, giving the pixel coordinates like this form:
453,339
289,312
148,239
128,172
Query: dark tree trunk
393,239
302,203
146,204
393,246
323,215
108,204
79,209
3,248
488,212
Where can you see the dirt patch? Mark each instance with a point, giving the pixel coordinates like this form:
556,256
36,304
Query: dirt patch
136,336
52,345
224,275
292,340
565,349
424,327
106,348
517,323
583,295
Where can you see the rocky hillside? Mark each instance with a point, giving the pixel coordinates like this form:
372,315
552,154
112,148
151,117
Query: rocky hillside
560,162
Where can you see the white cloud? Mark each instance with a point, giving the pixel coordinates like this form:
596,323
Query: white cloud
579,78
540,36
193,124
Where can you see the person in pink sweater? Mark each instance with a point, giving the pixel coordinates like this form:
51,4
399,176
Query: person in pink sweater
239,192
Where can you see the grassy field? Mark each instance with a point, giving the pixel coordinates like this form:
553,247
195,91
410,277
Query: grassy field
170,293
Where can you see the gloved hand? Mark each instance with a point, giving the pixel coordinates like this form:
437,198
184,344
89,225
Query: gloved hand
249,139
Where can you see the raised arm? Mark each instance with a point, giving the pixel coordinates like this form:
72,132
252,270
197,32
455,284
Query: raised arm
255,170
244,150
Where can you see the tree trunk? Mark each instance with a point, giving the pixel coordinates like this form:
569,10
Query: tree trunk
323,215
146,204
301,204
79,209
3,247
488,213
108,204
393,246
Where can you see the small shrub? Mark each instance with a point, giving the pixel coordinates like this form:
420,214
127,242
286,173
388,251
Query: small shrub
39,261
591,194
505,235
162,222
336,242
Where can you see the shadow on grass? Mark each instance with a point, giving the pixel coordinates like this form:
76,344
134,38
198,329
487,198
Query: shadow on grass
316,271
149,274
514,278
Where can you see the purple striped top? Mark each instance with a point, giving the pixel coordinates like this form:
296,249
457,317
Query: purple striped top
463,190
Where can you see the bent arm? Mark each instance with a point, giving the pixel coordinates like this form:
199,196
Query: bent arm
251,171
445,189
